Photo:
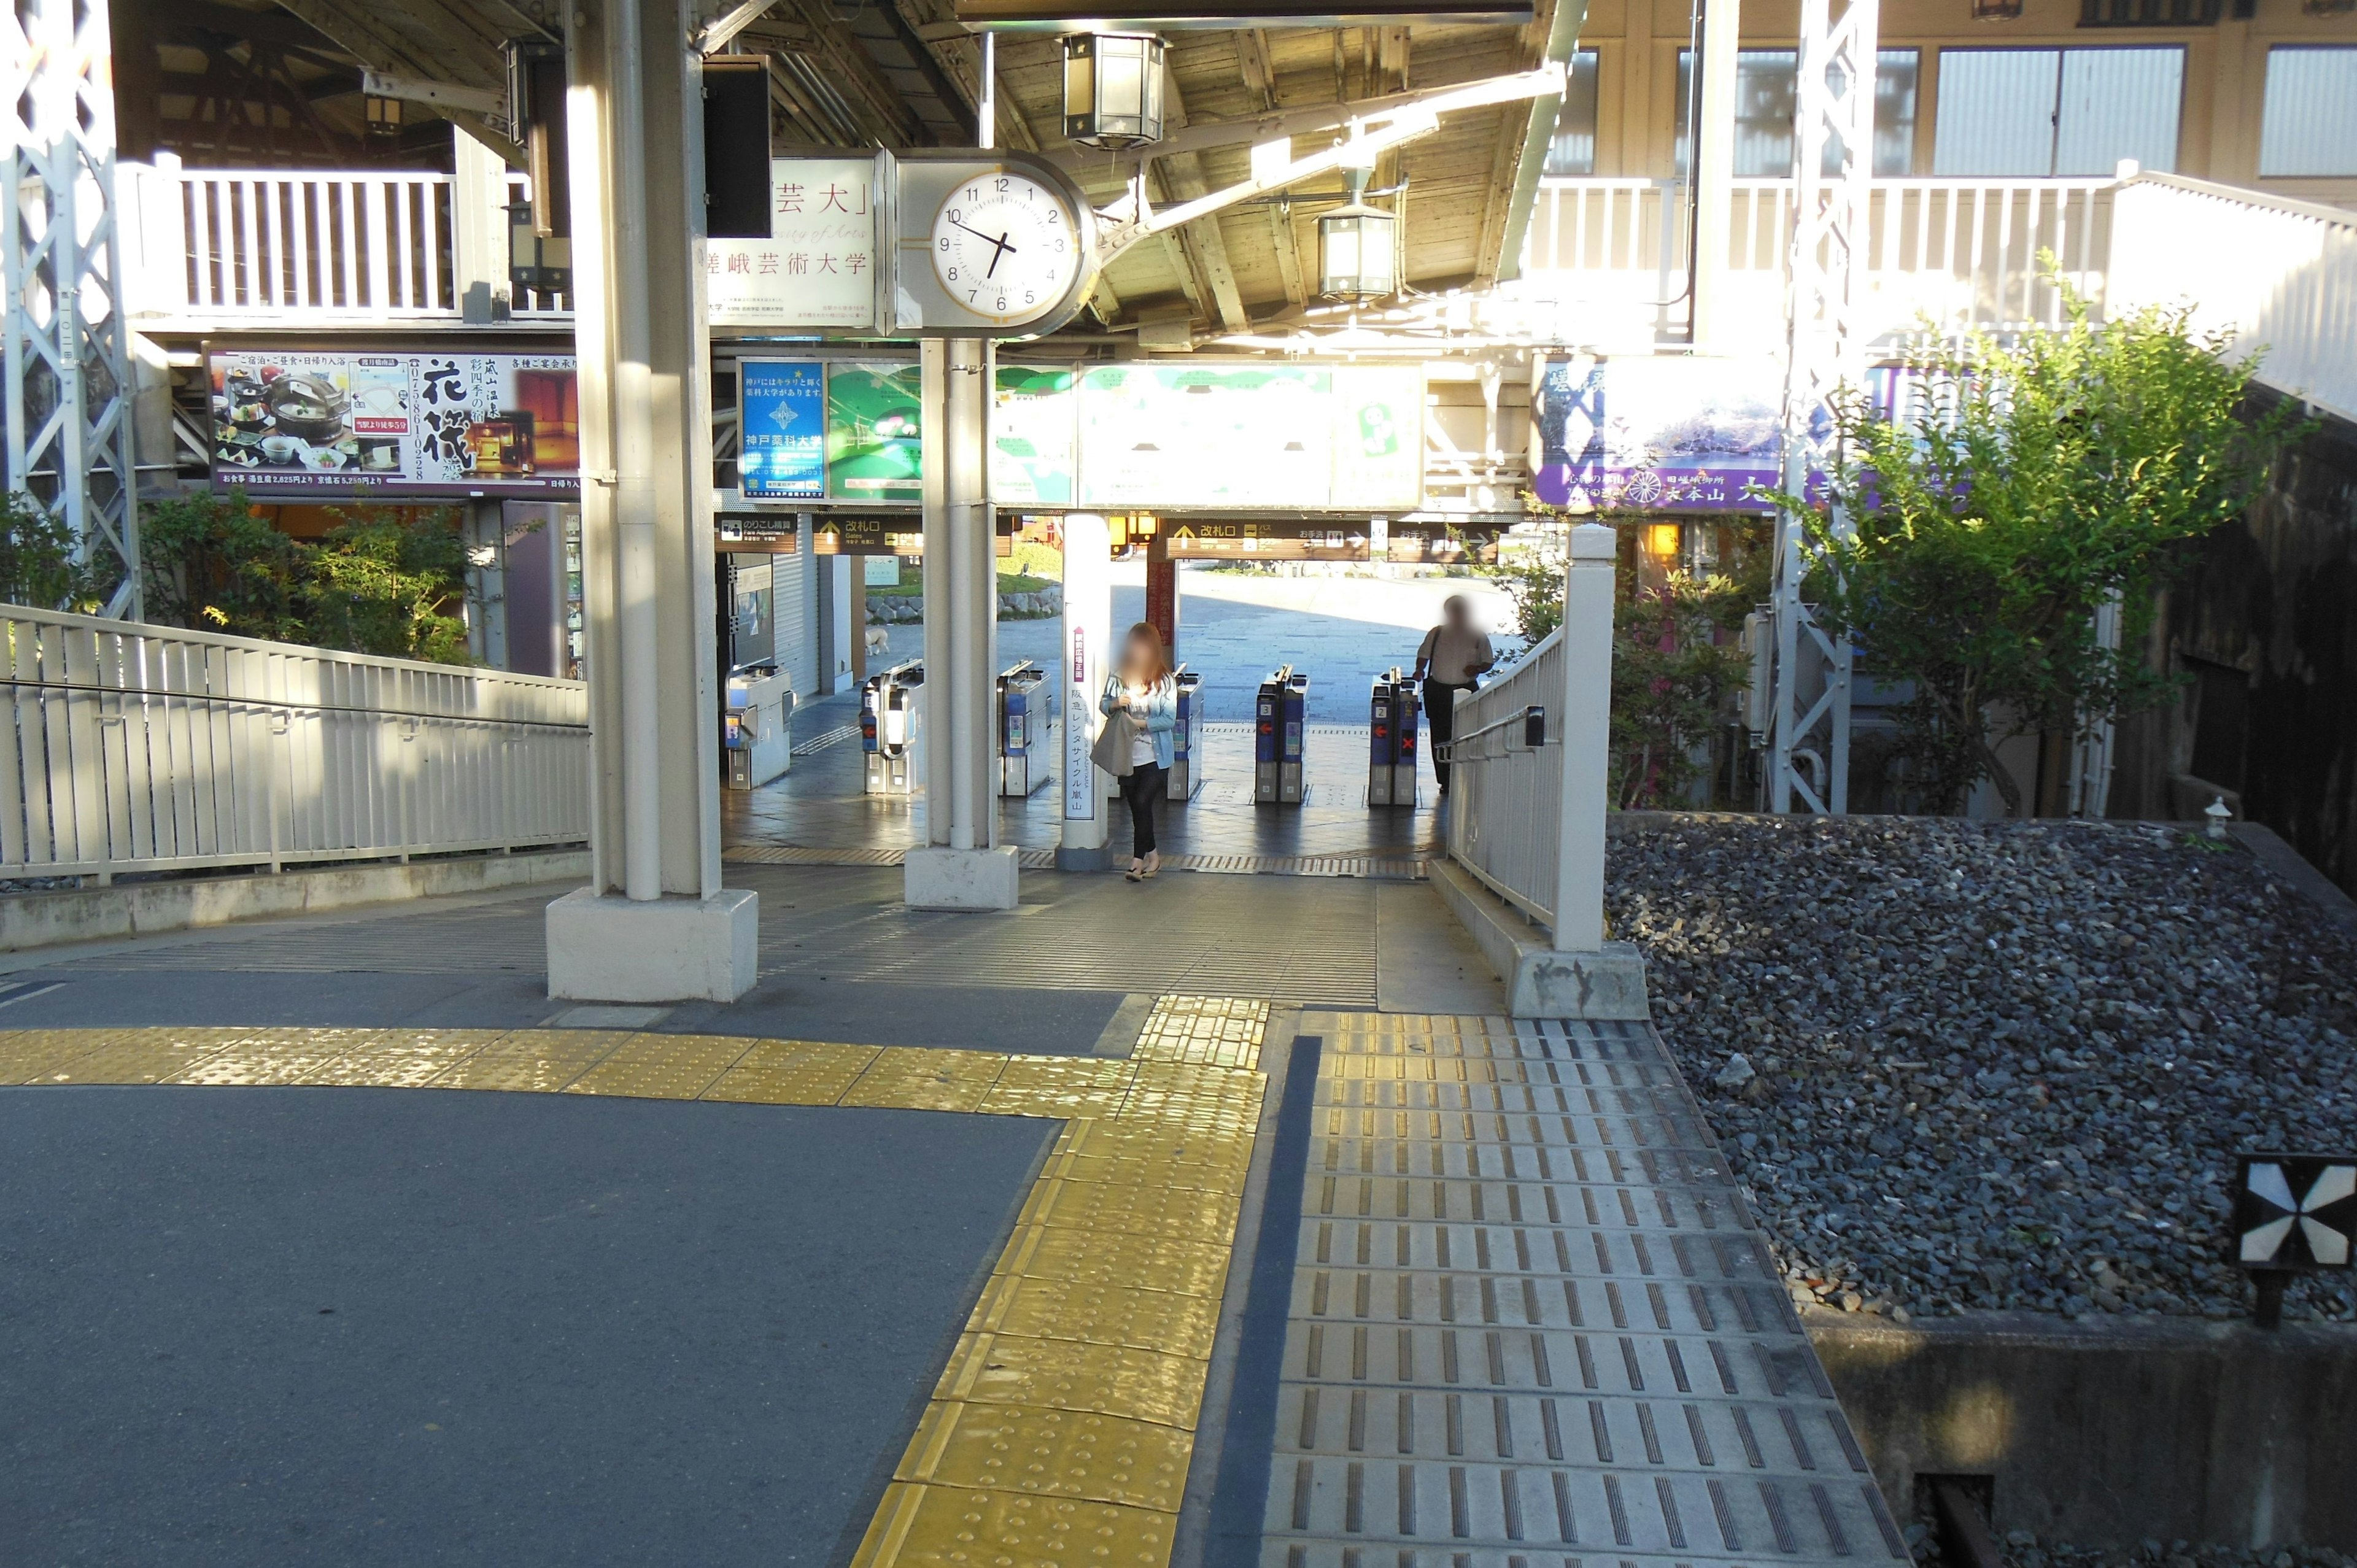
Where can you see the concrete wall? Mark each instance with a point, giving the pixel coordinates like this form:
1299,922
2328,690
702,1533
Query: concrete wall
2112,1433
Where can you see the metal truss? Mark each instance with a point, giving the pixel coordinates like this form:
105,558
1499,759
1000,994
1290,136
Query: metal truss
69,392
1833,163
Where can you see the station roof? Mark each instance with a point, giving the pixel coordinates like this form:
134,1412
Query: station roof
903,73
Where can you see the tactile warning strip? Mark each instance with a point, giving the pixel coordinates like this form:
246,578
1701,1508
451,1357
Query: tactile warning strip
1061,1429
1533,1325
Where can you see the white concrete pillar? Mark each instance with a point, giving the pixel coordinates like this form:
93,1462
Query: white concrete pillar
1711,163
655,925
1587,737
1086,656
962,865
478,230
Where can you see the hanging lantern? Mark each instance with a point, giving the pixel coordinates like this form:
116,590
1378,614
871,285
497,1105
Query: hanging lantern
1112,89
1357,247
1996,10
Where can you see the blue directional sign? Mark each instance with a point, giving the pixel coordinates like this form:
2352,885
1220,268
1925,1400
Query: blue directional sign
782,404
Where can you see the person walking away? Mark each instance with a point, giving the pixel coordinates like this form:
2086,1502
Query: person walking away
1141,708
1453,657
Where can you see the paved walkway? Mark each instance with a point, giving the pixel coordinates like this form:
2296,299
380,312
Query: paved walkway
1327,1265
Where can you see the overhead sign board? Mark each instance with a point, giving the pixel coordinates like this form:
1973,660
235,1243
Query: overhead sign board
884,534
758,534
401,426
819,268
1207,539
781,430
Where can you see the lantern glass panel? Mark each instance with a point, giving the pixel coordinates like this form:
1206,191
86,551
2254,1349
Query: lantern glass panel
1080,78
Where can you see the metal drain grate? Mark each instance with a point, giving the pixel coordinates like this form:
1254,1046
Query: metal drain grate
1395,870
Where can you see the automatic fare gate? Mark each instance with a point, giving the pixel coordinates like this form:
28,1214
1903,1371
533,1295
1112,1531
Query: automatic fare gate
892,728
1280,726
1023,756
1391,713
1184,775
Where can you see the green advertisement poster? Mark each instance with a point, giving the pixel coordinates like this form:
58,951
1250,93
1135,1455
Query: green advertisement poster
1033,434
874,446
1378,437
1207,435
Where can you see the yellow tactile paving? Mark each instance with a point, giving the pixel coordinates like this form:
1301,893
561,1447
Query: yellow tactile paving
1101,1314
1061,1428
532,1061
920,1526
1072,1374
403,1059
662,1067
266,1057
912,1079
1051,1452
1107,1257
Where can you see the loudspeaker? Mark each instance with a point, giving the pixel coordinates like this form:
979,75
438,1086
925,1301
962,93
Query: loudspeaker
737,147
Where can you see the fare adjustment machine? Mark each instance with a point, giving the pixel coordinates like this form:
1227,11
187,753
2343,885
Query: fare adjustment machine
1280,724
892,728
1023,747
1186,777
1392,714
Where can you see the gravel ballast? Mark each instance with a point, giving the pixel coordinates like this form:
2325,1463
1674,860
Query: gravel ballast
1963,1065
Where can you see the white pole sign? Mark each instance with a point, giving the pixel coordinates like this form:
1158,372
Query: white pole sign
1088,627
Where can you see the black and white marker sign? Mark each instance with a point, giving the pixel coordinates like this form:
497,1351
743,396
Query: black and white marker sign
2296,1211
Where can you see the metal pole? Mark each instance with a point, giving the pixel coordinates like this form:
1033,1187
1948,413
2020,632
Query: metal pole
1711,159
985,114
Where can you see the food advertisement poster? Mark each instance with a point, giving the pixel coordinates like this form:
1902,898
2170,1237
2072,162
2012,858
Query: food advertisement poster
873,451
1032,435
1658,434
817,268
395,424
781,404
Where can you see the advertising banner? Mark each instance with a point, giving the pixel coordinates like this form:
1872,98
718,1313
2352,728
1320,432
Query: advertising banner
781,407
874,450
1033,430
1658,434
817,268
397,426
1258,436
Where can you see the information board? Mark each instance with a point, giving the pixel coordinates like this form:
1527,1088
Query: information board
817,268
782,410
408,424
758,534
1204,539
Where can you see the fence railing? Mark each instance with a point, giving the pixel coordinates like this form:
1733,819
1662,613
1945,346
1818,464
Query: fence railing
2281,276
1505,818
142,748
1960,251
298,247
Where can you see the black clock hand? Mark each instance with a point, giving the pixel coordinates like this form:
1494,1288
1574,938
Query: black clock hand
999,240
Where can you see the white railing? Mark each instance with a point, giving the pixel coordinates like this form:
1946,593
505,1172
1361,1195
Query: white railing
1505,796
304,247
2281,276
142,748
1612,254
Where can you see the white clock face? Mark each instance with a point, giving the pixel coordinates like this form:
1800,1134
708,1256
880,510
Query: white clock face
1005,247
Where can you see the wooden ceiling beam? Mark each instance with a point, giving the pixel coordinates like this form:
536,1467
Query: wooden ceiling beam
862,84
1182,178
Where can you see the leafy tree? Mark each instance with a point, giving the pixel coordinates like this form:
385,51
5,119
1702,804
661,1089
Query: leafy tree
397,588
2023,484
1673,667
212,564
38,565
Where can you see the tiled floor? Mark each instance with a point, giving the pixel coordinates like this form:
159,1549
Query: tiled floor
1531,1323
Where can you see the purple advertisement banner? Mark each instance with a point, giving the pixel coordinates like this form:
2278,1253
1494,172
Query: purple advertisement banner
1658,434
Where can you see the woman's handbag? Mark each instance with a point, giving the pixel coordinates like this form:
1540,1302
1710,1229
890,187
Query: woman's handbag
1112,747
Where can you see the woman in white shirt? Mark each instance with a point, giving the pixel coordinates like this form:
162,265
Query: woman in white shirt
1141,696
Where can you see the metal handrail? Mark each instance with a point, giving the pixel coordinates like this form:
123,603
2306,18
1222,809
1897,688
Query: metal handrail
227,699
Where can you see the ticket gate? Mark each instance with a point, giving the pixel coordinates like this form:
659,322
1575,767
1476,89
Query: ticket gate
757,727
1392,714
1185,753
1280,726
892,728
1023,755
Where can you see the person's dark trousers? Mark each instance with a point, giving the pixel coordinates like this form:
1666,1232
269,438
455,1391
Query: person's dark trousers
1142,788
1440,723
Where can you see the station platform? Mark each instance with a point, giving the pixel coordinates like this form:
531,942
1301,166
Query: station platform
818,807
1213,1220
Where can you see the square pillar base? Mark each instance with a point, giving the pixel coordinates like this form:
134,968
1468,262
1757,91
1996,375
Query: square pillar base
1541,980
611,949
960,878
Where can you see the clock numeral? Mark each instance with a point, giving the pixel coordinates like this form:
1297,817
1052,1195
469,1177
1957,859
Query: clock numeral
953,274
1027,298
1001,185
1054,217
955,215
1060,246
946,243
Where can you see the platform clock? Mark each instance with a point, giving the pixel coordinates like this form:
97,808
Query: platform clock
1006,246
